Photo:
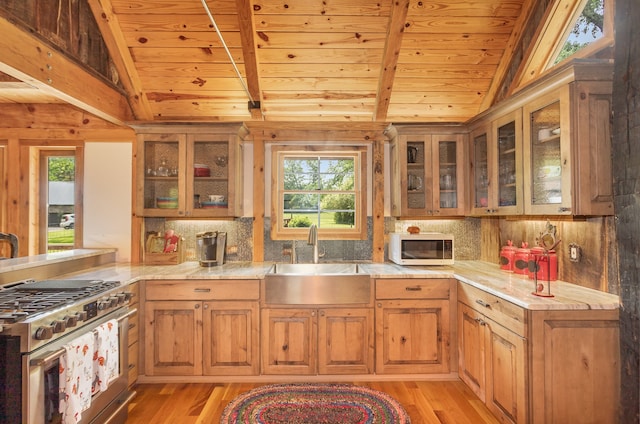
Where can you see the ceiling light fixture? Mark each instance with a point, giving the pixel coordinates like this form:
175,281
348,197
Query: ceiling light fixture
252,103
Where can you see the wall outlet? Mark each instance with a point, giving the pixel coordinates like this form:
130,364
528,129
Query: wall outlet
575,252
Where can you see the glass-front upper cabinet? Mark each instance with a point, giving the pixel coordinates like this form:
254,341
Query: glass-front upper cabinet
161,166
508,153
496,166
548,156
482,199
189,175
429,171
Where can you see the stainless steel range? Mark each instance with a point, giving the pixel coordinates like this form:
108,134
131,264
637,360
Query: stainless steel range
38,319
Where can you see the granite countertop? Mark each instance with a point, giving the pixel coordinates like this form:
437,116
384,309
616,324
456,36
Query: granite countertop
511,287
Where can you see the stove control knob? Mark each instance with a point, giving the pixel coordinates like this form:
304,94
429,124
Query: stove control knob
114,301
81,315
43,333
71,321
121,298
128,296
58,326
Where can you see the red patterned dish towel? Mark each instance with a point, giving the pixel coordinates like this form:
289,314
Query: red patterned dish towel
106,359
76,375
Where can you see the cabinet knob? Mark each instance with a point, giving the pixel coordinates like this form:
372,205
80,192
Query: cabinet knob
205,306
562,210
197,306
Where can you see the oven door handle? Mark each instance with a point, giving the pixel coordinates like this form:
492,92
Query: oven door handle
58,353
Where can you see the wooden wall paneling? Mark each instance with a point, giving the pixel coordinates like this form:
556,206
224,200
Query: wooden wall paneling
27,58
122,60
490,242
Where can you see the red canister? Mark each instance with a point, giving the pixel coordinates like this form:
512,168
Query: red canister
544,263
507,257
521,259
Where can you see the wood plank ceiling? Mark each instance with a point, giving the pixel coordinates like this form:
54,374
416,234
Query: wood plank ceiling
314,60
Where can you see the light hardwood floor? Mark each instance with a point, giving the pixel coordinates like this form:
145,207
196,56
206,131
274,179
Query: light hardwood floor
439,402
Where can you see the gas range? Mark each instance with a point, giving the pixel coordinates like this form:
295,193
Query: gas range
39,312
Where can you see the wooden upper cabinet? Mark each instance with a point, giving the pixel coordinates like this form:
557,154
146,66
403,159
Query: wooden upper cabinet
177,173
428,175
547,149
567,157
496,166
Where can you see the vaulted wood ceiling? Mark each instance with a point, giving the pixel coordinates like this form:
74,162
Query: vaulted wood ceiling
312,60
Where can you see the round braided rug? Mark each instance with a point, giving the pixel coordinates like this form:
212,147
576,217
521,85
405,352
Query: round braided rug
314,404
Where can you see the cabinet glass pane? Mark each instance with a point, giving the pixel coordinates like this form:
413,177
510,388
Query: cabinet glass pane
161,188
211,174
546,166
415,175
448,174
507,164
480,171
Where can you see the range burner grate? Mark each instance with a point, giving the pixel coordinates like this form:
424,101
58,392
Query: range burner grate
23,300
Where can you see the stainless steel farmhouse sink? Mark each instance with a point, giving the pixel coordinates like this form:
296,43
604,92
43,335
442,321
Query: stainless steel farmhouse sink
315,269
317,284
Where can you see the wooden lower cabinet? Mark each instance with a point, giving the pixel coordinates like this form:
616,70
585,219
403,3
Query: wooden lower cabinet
492,362
308,341
575,366
539,366
413,326
201,337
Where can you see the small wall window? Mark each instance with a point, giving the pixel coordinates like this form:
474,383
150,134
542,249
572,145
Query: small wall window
318,185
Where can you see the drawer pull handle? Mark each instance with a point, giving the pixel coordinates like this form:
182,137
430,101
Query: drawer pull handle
202,290
416,288
132,326
483,303
132,366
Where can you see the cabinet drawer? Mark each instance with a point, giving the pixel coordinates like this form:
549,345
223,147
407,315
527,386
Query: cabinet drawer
134,329
409,288
505,313
203,290
134,289
132,371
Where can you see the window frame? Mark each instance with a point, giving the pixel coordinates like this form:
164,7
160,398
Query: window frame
553,33
279,153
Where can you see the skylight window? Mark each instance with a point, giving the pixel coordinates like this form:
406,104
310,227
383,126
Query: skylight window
588,28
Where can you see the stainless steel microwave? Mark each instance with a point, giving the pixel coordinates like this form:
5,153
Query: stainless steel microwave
421,249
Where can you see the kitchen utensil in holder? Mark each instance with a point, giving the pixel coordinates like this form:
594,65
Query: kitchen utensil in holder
541,259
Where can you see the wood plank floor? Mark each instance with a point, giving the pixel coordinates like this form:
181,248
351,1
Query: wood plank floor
437,402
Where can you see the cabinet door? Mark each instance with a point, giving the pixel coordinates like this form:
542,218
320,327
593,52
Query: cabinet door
471,349
483,197
161,163
412,336
447,177
173,336
506,380
230,338
412,196
575,366
289,338
345,341
508,153
547,155
213,184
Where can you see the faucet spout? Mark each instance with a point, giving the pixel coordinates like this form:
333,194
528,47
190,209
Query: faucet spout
312,240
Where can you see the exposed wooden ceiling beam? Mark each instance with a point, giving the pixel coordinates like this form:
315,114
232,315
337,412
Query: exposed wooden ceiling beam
117,46
245,19
28,59
397,20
